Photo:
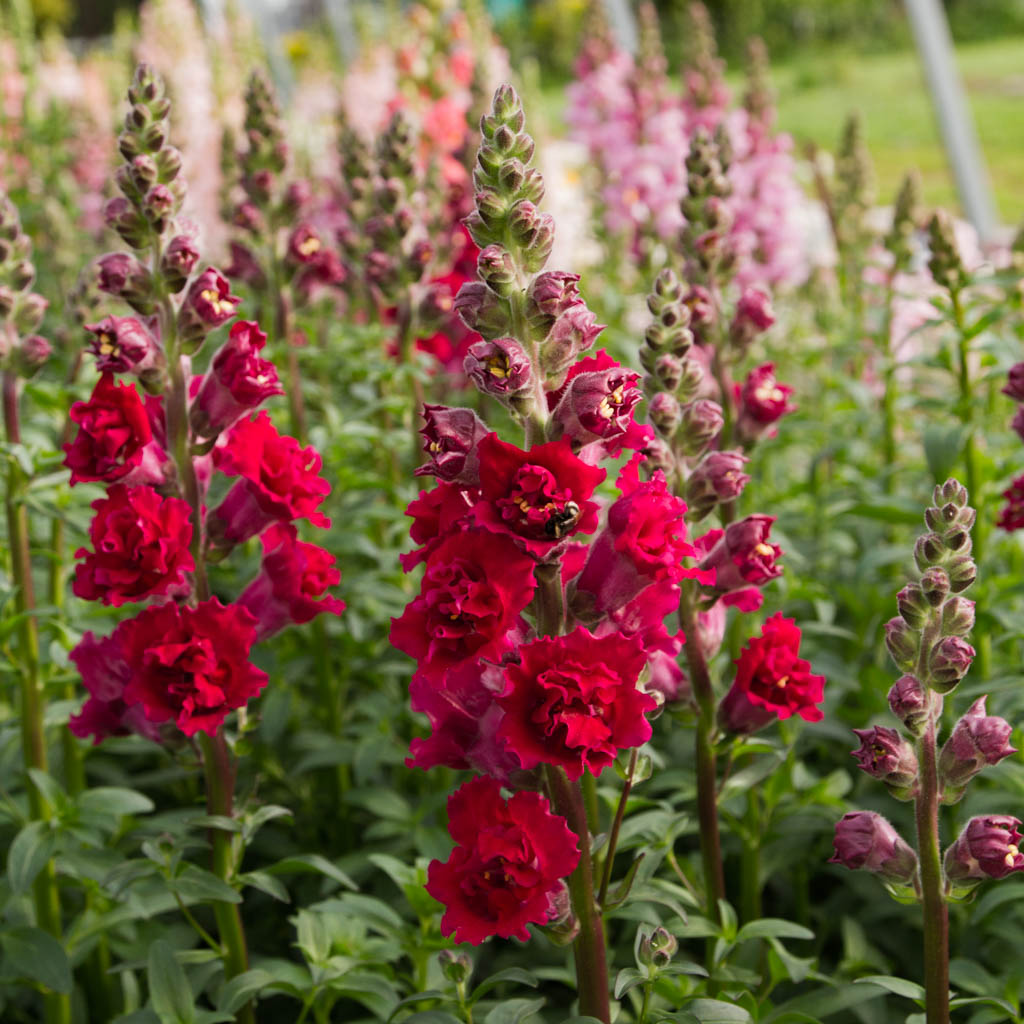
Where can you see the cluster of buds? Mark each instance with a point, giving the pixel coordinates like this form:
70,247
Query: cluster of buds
706,239
927,643
945,263
534,325
22,350
278,241
906,215
853,192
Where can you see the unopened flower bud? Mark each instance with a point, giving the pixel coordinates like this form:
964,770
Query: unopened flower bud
1015,383
719,477
29,313
977,739
657,949
913,605
456,967
665,413
30,355
21,275
866,840
957,616
948,663
497,269
928,551
935,586
668,371
988,847
120,215
572,333
910,703
962,573
481,310
701,424
178,262
902,642
886,755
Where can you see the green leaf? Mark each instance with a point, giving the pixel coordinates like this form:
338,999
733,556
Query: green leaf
628,978
31,849
942,447
197,884
419,997
714,1011
169,991
115,800
311,863
513,974
33,953
434,1017
241,989
513,1011
266,883
773,928
823,1003
376,993
312,937
898,986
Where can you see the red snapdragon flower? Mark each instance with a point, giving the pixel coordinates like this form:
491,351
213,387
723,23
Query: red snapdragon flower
1012,515
573,701
507,866
772,681
742,557
474,587
450,438
190,665
464,717
292,584
113,431
239,380
644,542
762,401
539,497
210,298
140,547
280,481
988,847
436,514
105,674
124,344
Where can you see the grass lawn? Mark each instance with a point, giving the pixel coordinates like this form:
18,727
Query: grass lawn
815,94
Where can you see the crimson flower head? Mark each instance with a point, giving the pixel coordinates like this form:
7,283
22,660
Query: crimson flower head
1014,387
450,438
105,674
539,497
113,431
304,244
474,588
436,514
989,847
741,555
1012,515
762,401
123,344
121,274
573,701
464,717
772,681
644,542
505,871
280,482
190,665
596,402
140,547
292,584
867,840
210,298
238,381
500,368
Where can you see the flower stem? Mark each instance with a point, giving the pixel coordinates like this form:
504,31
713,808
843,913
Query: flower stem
220,781
707,796
46,896
926,813
613,836
588,947
889,386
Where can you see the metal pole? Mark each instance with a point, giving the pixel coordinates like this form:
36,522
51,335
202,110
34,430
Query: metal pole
622,24
935,46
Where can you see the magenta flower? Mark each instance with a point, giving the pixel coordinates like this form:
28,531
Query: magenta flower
867,840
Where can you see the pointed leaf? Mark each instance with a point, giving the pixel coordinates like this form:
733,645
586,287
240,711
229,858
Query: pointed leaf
169,990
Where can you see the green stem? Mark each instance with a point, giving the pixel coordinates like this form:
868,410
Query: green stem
965,409
220,782
613,836
407,355
549,600
642,1019
889,386
589,946
707,796
590,801
926,814
46,896
750,864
